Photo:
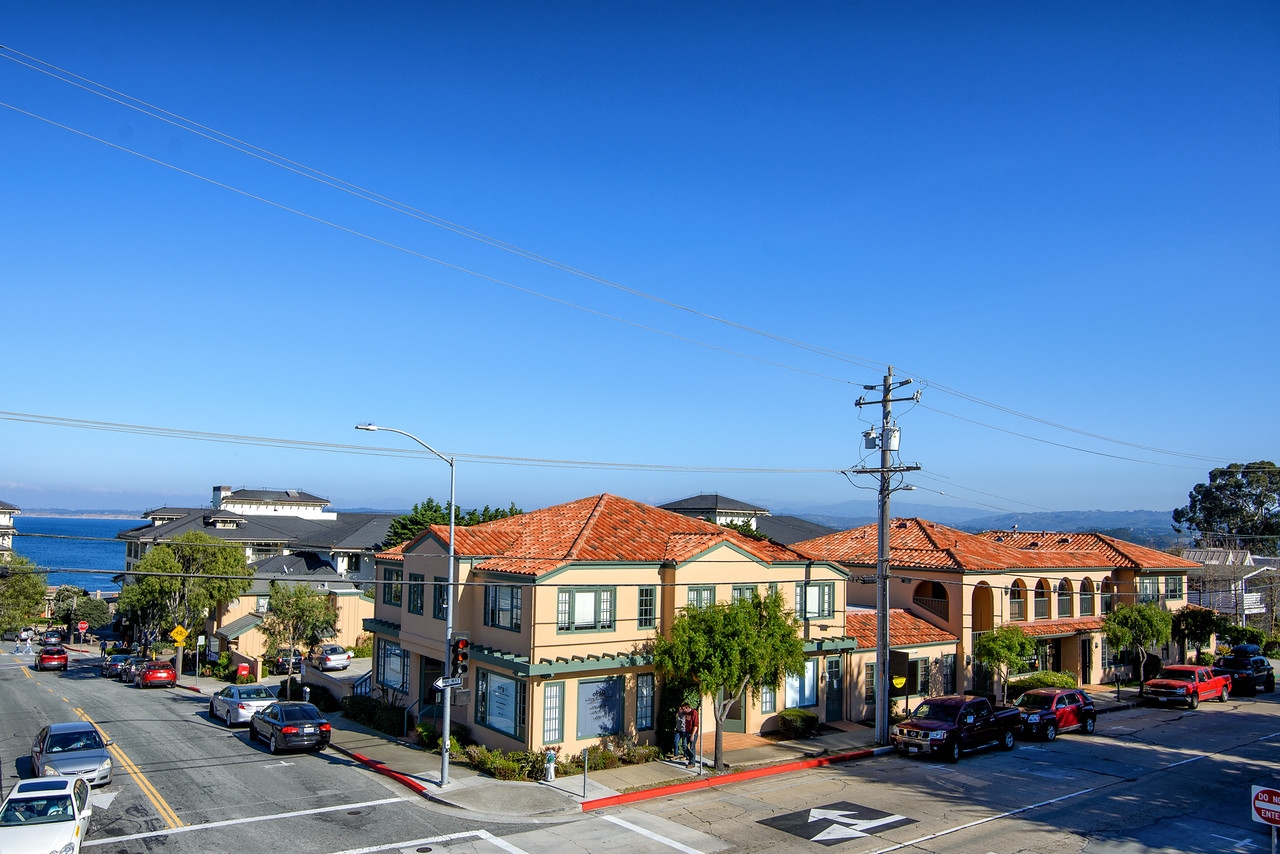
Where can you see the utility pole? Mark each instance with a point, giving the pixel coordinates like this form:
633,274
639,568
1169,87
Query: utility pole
887,441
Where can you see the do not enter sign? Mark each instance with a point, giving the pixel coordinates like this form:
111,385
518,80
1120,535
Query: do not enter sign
1266,806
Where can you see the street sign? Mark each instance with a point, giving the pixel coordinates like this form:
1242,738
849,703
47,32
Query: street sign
452,682
1266,806
82,626
179,634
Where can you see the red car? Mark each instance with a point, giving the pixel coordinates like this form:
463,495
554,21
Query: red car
156,673
52,658
1049,711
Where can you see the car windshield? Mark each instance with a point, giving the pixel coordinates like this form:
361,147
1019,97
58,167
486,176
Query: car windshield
255,693
43,810
1178,675
934,712
1237,663
63,742
1033,701
301,713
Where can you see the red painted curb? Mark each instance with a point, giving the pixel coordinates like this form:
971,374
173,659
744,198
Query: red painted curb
374,765
723,779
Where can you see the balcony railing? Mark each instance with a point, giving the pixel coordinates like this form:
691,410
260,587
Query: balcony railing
1017,609
1042,607
933,606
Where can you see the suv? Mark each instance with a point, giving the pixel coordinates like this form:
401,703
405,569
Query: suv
53,637
329,656
1249,673
1049,711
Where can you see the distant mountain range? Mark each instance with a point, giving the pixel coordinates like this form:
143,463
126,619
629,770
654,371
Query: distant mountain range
1152,528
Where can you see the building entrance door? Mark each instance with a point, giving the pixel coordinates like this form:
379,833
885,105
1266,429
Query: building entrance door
835,689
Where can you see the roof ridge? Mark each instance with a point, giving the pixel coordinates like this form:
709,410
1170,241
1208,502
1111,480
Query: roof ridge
587,526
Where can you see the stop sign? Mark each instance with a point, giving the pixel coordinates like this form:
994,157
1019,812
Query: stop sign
82,625
1266,805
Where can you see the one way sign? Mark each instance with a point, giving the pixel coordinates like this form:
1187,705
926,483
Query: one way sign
832,824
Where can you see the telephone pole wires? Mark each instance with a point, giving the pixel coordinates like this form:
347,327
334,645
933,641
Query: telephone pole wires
887,441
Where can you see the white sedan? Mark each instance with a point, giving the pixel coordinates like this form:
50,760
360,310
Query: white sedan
46,814
236,704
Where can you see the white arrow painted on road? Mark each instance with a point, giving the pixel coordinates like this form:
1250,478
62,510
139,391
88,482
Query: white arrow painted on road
845,827
832,815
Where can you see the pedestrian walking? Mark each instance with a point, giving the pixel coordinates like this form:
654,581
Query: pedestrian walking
28,650
102,646
677,751
690,732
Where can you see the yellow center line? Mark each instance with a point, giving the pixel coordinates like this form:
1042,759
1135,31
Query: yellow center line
166,812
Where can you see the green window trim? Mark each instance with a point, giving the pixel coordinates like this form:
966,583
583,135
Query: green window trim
815,600
585,609
417,591
439,597
701,596
392,586
644,702
647,608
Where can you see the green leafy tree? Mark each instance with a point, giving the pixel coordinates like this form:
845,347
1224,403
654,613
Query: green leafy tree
297,613
179,583
1232,635
73,604
1005,647
1239,508
1138,628
1194,626
725,649
745,529
22,589
431,512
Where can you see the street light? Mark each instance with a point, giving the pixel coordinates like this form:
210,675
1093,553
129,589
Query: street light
448,605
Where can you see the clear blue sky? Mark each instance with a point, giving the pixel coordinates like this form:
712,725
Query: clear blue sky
1070,211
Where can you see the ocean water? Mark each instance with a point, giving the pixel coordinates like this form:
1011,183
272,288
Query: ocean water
73,550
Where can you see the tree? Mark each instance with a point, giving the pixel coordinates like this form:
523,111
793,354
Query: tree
1138,628
178,583
72,604
22,589
1239,508
724,649
431,512
1194,626
297,612
1008,646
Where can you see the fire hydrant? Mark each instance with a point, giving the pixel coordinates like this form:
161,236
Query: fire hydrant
550,759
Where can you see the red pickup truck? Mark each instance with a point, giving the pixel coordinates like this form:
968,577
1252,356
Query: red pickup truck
1187,683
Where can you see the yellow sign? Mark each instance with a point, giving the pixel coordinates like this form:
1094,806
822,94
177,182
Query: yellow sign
899,681
179,634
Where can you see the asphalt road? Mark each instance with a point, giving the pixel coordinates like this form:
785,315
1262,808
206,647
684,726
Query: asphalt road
1150,780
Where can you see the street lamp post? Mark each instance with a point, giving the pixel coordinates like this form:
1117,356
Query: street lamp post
448,605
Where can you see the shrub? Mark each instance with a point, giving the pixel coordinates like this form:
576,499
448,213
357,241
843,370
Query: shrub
320,697
1206,658
1043,679
429,735
797,723
382,714
363,647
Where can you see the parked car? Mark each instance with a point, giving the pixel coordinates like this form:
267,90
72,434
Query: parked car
53,637
290,726
1187,683
280,662
329,656
46,814
236,704
111,666
130,667
1249,673
947,726
73,749
1049,711
51,658
158,674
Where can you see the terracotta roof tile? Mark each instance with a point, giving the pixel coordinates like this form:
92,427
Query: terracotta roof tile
1098,549
905,628
1061,628
599,528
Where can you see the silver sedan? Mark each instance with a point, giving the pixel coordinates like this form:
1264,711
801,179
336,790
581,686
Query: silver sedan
236,704
73,749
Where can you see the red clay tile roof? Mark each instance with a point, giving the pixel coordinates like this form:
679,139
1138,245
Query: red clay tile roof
1101,550
1060,628
905,629
601,528
396,552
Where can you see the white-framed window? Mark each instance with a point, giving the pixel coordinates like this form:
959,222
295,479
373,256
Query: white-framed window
502,606
552,712
802,687
264,604
768,699
585,609
1148,588
644,701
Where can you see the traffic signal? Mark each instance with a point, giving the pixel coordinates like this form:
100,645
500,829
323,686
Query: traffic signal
459,654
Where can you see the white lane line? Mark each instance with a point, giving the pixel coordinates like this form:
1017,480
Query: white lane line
232,822
436,840
1185,761
635,828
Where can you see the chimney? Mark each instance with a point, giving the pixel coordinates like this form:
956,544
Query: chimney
219,493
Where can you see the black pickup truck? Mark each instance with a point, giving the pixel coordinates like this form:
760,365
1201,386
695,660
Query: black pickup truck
948,726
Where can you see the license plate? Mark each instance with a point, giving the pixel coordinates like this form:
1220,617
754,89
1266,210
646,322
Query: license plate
913,750
307,730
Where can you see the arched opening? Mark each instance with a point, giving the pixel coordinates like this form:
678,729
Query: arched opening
1086,598
932,597
1017,600
1108,593
1042,599
982,609
1065,608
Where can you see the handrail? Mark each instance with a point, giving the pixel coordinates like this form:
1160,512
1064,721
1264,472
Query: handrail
404,730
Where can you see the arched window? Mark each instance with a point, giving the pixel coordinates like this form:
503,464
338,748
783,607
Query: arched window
1017,600
1064,599
1042,599
1086,598
1106,596
932,597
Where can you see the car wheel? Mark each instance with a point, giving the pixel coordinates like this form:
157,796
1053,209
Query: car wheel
213,714
1193,701
319,747
1224,696
275,748
1007,743
952,751
1050,732
253,730
1090,724
1271,683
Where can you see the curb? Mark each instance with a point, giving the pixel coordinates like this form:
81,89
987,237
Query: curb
733,777
417,786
